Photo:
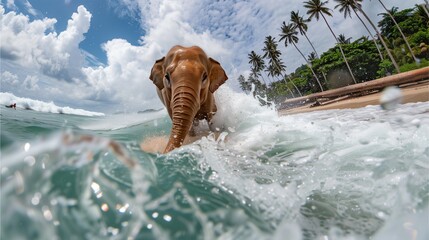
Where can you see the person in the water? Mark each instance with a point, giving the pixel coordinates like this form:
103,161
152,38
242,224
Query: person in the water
12,106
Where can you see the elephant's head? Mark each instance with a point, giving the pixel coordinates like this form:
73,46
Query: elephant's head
186,79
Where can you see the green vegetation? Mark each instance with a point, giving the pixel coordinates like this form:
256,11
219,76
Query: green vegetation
401,44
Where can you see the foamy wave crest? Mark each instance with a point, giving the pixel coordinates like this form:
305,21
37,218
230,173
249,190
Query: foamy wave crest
234,109
40,106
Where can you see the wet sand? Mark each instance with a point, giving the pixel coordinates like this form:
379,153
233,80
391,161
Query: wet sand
410,93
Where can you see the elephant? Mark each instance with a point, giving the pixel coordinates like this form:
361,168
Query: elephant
186,79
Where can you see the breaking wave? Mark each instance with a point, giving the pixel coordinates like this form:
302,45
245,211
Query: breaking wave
40,106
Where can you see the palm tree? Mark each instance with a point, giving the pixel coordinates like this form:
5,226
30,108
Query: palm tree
276,66
289,35
301,24
244,85
257,64
391,13
272,54
312,56
316,9
423,11
359,8
346,6
424,7
343,40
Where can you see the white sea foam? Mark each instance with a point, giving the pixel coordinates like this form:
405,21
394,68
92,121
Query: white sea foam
280,162
40,106
234,108
115,122
337,174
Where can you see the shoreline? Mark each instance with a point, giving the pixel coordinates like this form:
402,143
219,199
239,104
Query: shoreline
411,93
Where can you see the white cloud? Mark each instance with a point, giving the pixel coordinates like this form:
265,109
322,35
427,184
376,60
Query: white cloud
30,82
125,78
11,4
47,62
9,79
36,44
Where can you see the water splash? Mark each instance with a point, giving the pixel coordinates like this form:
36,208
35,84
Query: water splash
63,190
342,174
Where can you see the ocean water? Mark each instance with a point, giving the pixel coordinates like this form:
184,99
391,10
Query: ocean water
337,174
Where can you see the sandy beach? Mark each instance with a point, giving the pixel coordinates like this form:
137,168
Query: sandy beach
410,93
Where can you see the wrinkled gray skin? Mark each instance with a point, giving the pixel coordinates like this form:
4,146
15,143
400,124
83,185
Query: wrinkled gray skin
186,80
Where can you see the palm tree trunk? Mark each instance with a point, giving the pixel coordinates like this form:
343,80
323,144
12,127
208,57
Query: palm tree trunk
311,44
263,79
381,39
317,55
425,7
402,34
290,90
283,76
290,79
370,34
308,64
341,49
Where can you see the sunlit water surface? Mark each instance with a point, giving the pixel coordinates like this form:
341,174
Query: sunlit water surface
338,174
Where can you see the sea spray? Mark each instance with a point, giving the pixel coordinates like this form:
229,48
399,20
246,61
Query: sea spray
343,174
40,106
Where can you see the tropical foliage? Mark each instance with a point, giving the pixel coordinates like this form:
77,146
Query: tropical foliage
348,61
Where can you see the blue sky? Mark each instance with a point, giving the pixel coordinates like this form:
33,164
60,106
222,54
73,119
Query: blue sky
97,54
109,20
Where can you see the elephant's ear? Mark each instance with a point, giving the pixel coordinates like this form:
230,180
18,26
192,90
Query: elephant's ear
217,75
157,73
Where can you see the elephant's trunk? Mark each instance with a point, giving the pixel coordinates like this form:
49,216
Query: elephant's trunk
184,108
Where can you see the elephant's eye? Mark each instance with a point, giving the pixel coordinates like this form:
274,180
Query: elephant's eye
167,76
204,78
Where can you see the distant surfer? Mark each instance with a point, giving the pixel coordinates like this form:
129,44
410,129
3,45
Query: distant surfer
12,106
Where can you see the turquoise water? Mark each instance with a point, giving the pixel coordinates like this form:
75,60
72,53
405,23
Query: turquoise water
340,174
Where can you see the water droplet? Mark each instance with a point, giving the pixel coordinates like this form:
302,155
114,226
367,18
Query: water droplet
95,187
155,215
27,147
390,98
105,207
381,215
122,209
36,199
167,218
149,226
215,190
47,213
231,129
